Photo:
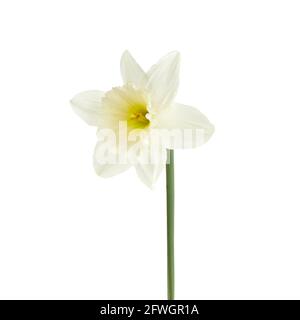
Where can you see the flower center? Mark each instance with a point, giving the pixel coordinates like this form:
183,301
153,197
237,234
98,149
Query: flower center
138,117
127,104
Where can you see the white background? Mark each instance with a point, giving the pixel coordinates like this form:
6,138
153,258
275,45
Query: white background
65,233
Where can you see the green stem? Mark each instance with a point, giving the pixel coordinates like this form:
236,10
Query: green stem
170,223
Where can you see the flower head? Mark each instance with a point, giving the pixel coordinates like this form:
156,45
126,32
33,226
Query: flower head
138,121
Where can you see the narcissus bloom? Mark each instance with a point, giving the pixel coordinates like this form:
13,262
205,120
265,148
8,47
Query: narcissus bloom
139,120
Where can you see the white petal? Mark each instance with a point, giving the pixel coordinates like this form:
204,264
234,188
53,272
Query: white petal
150,163
87,105
189,127
149,173
107,161
131,72
164,80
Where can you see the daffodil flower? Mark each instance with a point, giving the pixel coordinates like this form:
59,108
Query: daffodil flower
145,104
139,124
